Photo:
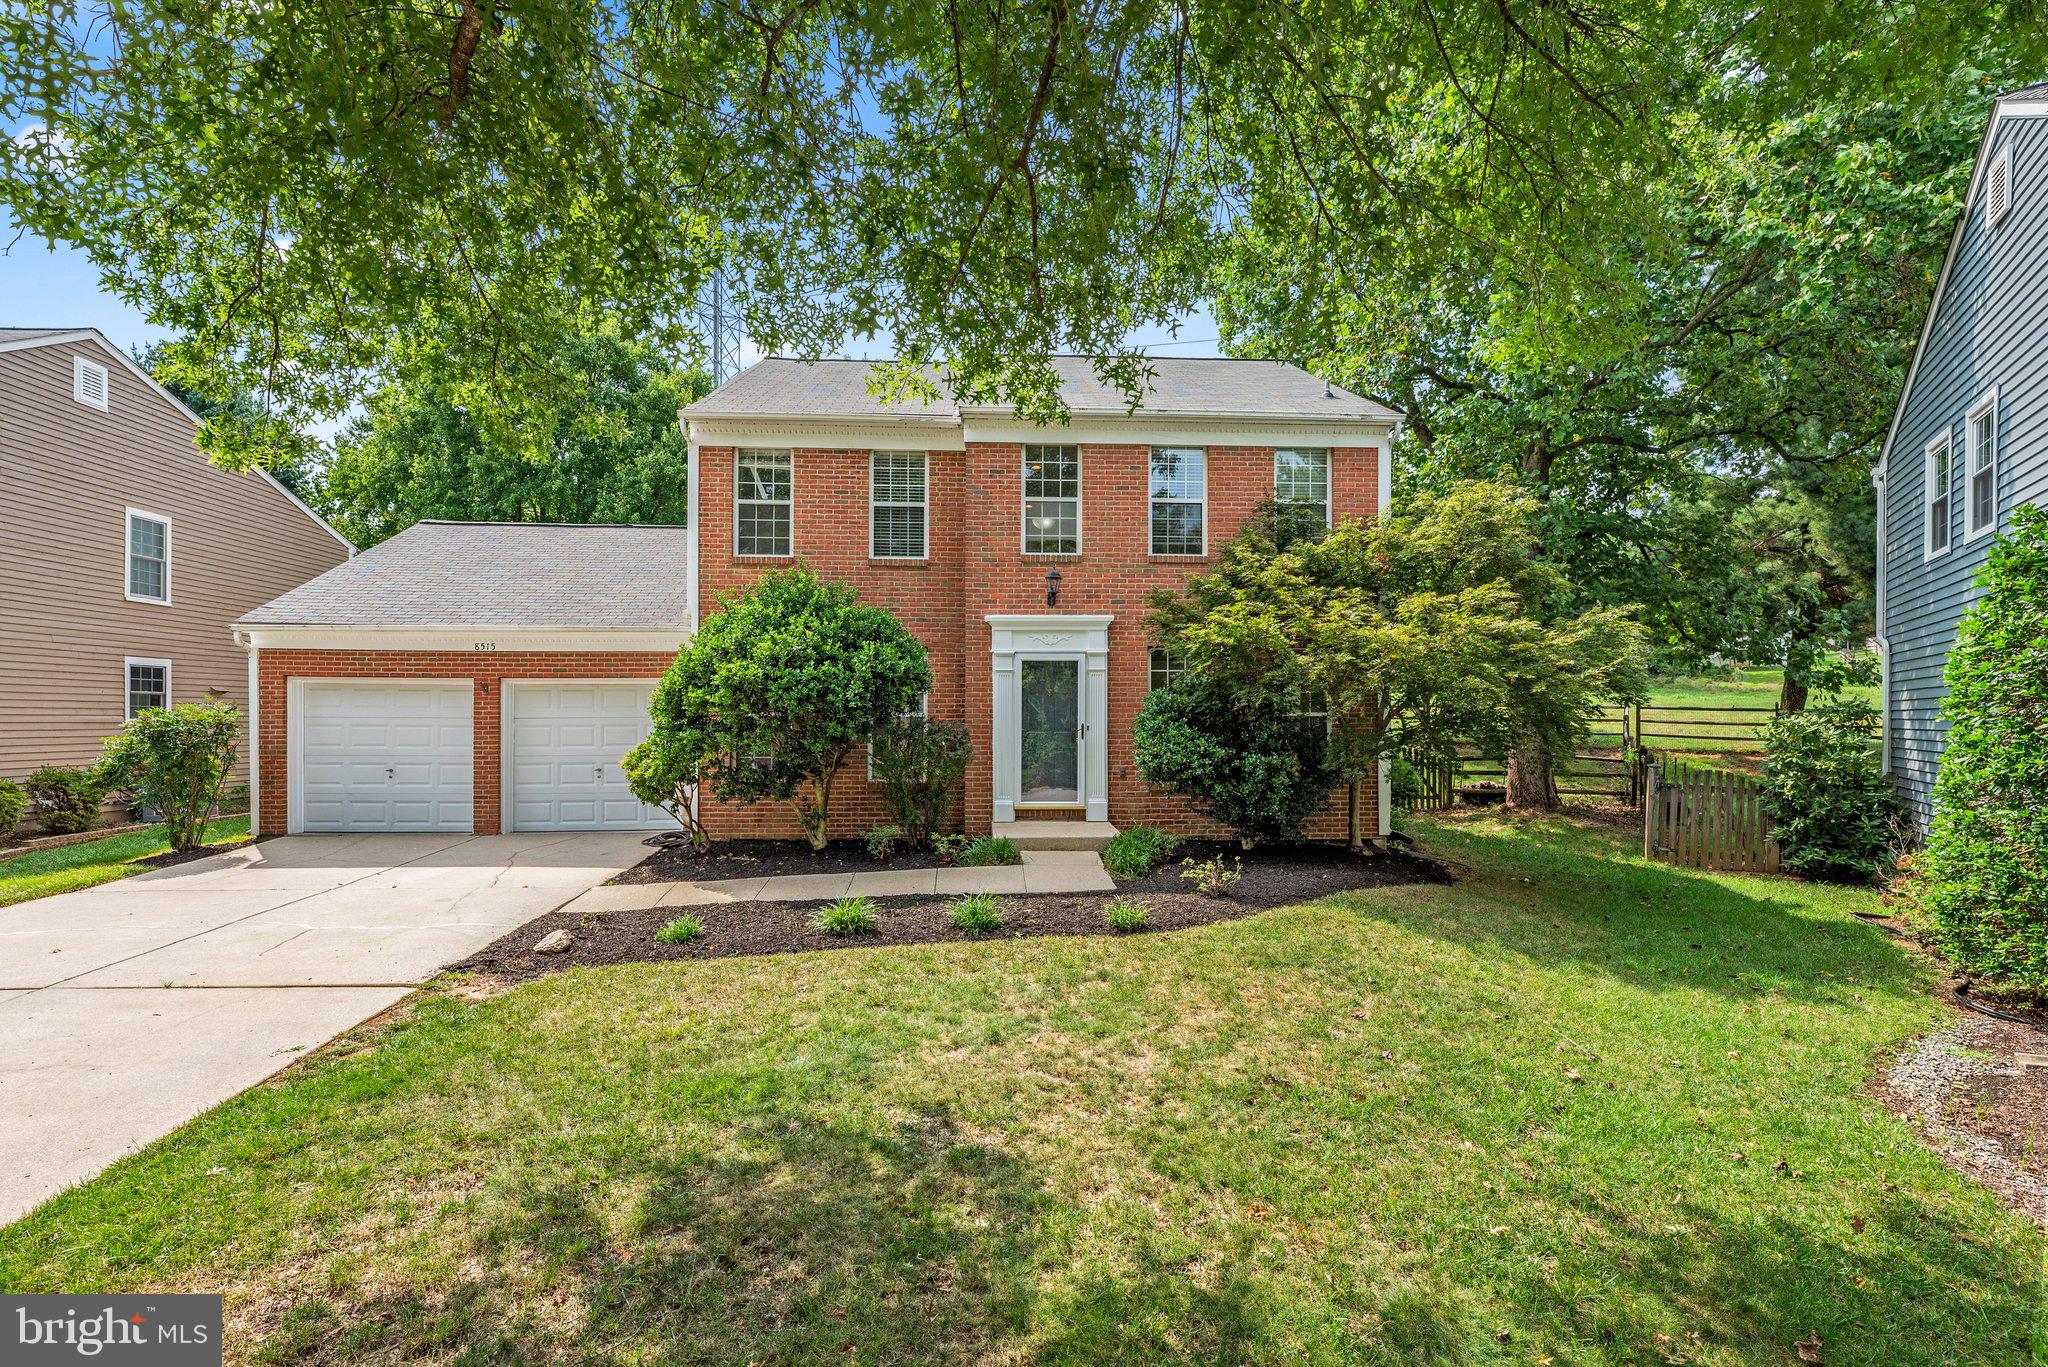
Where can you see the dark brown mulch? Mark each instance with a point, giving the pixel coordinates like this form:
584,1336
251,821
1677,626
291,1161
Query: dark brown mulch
170,857
746,928
1275,875
678,863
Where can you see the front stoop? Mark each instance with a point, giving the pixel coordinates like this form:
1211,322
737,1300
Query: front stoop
1056,835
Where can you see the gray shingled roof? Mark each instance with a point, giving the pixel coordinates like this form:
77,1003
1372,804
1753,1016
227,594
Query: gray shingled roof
779,387
500,574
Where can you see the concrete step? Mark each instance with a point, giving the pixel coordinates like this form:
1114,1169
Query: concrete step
1057,835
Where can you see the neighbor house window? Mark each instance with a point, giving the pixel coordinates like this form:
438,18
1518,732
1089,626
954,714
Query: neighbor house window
89,383
1302,475
149,557
1980,450
898,506
1166,667
1179,491
1937,495
761,503
1052,500
149,686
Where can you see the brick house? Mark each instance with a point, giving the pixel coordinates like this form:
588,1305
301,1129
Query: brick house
486,678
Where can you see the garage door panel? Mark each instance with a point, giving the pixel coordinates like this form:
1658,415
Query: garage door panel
384,757
567,741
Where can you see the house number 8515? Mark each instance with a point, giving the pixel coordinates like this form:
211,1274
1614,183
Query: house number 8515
485,645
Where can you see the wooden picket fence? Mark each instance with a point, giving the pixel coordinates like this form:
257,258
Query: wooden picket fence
1706,819
1610,775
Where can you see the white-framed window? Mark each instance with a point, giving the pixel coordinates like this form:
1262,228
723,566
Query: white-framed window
149,557
1163,667
1980,468
1179,495
1052,500
899,505
89,383
923,709
761,502
149,685
1998,187
1301,474
1938,496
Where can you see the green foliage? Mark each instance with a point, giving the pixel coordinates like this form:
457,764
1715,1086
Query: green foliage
66,800
1135,852
989,850
665,771
779,687
13,801
1211,877
1404,783
1981,892
1250,766
848,916
1831,805
881,839
612,450
680,930
977,913
1127,914
175,760
919,762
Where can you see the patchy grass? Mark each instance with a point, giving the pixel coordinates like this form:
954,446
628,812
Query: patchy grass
70,867
1536,1114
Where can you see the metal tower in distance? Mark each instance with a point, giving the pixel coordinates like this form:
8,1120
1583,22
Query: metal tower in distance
721,328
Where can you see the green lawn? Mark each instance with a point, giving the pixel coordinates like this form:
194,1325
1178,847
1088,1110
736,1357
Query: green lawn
70,867
1537,1115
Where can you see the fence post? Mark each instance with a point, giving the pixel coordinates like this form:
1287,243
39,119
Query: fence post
1650,815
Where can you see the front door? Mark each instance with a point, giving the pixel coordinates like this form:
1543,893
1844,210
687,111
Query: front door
1050,733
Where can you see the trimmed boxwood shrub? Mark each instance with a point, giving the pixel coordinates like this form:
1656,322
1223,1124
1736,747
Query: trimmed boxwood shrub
1260,772
1833,811
67,800
1981,890
13,801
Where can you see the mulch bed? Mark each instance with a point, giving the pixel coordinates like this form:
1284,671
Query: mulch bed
677,863
170,857
1978,1090
1276,875
748,928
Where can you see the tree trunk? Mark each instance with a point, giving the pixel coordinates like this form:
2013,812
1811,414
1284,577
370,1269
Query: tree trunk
1531,784
1791,695
1353,822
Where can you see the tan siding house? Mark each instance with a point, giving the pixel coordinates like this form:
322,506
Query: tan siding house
125,554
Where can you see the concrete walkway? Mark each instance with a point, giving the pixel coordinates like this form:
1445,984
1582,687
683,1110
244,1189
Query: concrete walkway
1043,871
129,1008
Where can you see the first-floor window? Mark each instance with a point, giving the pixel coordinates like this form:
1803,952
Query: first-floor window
1179,492
149,686
1938,496
897,505
761,502
1165,668
923,709
1302,475
1052,500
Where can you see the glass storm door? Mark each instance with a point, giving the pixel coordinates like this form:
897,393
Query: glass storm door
1049,732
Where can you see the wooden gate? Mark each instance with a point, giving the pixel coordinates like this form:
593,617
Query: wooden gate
1706,819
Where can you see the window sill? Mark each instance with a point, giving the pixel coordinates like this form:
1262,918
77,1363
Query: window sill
763,555
905,562
1191,558
153,602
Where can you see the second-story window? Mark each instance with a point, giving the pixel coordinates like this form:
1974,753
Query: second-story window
149,557
761,502
1938,485
898,505
1052,500
1179,490
1980,443
1302,475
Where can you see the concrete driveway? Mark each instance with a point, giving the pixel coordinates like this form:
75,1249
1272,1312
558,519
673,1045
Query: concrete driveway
129,1008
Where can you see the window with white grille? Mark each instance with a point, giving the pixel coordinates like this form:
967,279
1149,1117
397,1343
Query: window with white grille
761,503
1980,466
898,505
1052,500
1998,186
1939,500
1302,475
1179,495
149,557
1165,667
149,686
89,383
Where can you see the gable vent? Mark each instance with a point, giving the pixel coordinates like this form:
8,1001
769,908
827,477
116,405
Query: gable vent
1998,186
89,383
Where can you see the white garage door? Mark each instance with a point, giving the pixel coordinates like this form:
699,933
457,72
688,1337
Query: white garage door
566,741
384,757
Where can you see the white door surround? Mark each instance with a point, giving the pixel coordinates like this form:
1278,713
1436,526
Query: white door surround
561,743
1072,636
380,755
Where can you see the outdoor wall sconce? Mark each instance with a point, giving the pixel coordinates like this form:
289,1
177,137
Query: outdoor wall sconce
1052,588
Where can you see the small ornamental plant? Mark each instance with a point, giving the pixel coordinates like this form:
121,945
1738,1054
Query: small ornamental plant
880,840
175,761
13,802
67,800
1137,851
680,931
1127,914
977,914
848,916
1211,877
989,850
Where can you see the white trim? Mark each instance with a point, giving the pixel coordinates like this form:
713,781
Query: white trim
1884,649
508,691
1152,504
1945,443
301,505
1329,478
828,433
1383,478
692,487
1024,504
83,369
788,454
1987,403
923,505
1168,429
1999,177
128,662
1383,496
128,517
1082,637
295,733
254,723
481,640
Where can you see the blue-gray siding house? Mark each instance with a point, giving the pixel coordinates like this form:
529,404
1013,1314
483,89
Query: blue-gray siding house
1970,439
